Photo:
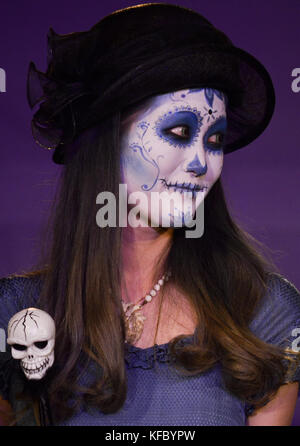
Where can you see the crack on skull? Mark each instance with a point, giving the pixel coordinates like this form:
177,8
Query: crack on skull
36,315
35,339
23,323
17,321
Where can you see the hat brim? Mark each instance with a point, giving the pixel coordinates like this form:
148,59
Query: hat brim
247,84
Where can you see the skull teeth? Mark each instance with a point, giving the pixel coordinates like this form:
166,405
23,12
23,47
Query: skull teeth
37,369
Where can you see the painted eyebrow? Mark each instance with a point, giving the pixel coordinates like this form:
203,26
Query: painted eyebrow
178,115
187,109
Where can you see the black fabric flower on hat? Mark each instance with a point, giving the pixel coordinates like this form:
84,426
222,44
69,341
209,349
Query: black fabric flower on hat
63,92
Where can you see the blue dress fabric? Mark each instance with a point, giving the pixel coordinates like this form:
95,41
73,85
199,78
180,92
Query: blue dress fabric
158,394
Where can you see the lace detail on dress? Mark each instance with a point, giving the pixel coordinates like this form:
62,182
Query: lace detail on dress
145,358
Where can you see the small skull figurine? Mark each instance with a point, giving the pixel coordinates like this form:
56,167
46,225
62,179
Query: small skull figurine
31,335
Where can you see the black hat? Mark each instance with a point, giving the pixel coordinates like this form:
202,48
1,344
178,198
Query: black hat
138,52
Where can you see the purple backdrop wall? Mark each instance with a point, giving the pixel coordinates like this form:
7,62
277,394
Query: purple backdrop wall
262,181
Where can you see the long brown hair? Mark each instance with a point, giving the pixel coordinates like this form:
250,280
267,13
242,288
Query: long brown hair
223,275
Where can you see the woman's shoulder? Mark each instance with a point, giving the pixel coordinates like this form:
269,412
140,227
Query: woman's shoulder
17,292
277,318
279,282
17,282
282,295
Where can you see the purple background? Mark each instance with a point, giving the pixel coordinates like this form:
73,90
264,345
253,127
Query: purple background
262,182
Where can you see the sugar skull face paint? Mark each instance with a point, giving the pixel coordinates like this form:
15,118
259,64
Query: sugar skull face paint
174,143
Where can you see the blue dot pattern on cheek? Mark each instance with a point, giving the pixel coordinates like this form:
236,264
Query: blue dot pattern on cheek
182,115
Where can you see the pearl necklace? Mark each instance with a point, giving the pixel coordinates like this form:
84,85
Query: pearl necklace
134,319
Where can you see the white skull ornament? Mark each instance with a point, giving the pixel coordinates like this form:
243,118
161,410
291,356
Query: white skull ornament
31,335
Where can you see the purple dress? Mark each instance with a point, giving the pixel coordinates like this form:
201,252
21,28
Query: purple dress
158,395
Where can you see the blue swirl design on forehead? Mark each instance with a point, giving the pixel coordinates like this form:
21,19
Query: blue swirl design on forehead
209,94
179,116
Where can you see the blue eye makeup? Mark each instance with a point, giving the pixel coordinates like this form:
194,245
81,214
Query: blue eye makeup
179,128
217,129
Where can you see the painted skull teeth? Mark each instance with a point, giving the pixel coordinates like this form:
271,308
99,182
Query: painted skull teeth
27,370
185,186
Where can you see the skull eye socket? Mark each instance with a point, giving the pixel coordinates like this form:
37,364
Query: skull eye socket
41,344
19,347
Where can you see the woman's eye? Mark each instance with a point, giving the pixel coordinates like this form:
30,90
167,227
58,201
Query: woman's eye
181,131
217,139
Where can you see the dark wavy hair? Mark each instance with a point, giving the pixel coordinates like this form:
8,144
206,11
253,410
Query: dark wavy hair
223,274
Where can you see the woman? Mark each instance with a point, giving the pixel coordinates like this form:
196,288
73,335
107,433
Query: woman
154,327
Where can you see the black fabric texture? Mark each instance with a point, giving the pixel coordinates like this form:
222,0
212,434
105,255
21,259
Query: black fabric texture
136,53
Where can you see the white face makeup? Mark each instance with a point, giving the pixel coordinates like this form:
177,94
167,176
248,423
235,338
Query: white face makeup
174,143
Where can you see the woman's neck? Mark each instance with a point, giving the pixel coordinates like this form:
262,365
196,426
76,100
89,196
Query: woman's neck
142,248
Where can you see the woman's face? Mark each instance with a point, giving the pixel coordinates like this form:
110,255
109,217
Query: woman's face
173,143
